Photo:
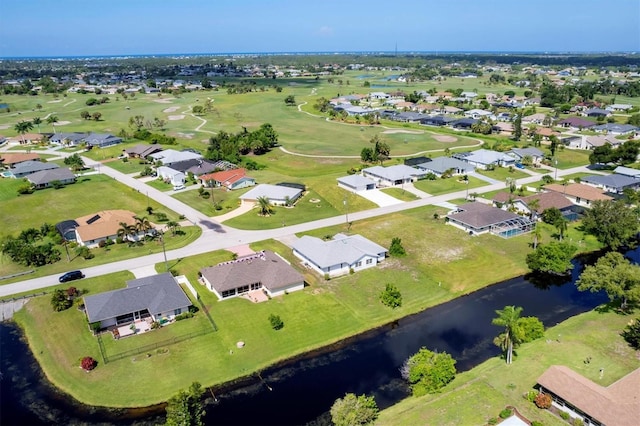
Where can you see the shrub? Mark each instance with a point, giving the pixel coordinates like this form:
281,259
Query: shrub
631,333
155,325
564,415
276,322
531,395
506,413
492,421
578,422
543,400
87,363
60,301
184,315
536,423
391,296
72,292
396,248
354,410
428,372
95,326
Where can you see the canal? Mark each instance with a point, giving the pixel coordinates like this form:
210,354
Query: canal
302,390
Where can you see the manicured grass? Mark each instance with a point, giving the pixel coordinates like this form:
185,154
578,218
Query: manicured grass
433,271
452,184
228,200
568,158
502,173
481,393
400,194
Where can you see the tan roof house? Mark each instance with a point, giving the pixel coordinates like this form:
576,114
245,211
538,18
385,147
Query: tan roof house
103,225
617,404
577,193
11,159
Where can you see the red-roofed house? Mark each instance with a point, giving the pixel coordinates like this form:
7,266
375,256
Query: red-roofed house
230,179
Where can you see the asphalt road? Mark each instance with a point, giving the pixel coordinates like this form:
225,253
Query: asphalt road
216,236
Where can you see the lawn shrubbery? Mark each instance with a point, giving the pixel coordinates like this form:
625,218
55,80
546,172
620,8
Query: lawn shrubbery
276,322
87,363
391,296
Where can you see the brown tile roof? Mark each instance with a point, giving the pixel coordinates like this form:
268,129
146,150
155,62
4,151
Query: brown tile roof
103,224
478,215
28,137
226,177
11,159
579,190
548,200
617,404
545,131
264,267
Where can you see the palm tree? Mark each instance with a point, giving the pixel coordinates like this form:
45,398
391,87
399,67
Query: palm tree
173,226
52,120
37,121
23,127
265,206
537,236
533,205
561,226
142,224
126,231
513,333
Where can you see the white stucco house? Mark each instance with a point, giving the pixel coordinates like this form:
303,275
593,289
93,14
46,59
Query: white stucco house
277,195
393,175
356,183
340,255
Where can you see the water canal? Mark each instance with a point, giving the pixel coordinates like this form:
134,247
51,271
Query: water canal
302,390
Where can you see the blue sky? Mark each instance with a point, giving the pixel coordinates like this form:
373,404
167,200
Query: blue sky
120,27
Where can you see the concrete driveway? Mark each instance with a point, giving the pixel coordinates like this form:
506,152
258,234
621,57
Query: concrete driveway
379,197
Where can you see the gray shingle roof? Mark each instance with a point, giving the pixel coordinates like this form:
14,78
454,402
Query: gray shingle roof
29,167
157,293
533,152
264,267
440,165
47,176
612,181
355,180
478,215
342,249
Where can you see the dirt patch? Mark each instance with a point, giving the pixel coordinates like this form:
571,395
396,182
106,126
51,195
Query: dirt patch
185,135
62,123
445,138
171,109
176,117
410,132
55,101
163,101
4,126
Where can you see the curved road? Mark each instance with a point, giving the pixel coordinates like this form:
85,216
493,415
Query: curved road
216,236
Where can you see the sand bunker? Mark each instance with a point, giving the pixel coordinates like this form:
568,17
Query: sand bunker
185,135
4,126
411,132
62,123
175,117
163,101
171,109
445,138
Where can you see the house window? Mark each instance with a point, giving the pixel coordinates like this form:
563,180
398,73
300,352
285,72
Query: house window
177,311
358,264
369,261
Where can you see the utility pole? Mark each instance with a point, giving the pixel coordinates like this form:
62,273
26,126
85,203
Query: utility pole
164,252
555,162
346,206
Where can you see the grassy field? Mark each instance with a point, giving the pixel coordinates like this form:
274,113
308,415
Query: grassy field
444,186
477,395
400,194
342,307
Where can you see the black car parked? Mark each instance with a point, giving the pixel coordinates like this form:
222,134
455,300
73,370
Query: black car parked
70,276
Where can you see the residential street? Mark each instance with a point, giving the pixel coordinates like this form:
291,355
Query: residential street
216,236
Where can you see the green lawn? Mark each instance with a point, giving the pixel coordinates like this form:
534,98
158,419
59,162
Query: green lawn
481,393
433,271
444,186
502,173
568,158
400,194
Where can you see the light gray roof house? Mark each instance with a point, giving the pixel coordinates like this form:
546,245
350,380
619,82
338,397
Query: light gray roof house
479,218
341,249
156,294
264,269
67,138
356,183
520,153
102,140
393,174
612,183
627,171
276,194
485,157
43,178
170,156
440,165
29,167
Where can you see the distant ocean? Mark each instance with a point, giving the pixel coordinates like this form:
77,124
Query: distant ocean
250,54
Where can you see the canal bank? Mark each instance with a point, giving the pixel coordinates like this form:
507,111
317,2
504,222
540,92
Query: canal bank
308,385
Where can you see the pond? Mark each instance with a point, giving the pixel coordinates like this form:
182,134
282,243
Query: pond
302,390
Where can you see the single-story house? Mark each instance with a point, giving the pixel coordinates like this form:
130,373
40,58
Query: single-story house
354,109
142,150
478,218
440,165
597,112
479,113
408,117
202,167
483,158
619,107
13,159
576,123
265,271
537,118
276,194
102,140
103,225
615,128
579,194
230,179
340,255
27,168
438,120
169,175
355,183
67,139
502,127
535,154
158,297
392,175
464,123
28,138
617,404
627,171
169,156
613,183
545,200
412,162
44,178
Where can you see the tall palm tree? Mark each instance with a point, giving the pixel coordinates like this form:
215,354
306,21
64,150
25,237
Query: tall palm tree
23,127
126,231
37,121
142,224
52,120
264,205
537,236
561,226
173,226
513,333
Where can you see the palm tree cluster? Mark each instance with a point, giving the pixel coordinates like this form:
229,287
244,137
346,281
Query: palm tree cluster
130,232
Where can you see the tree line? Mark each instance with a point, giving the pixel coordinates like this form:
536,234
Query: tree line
231,147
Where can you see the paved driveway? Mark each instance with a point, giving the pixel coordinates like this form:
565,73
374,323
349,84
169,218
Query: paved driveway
379,197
